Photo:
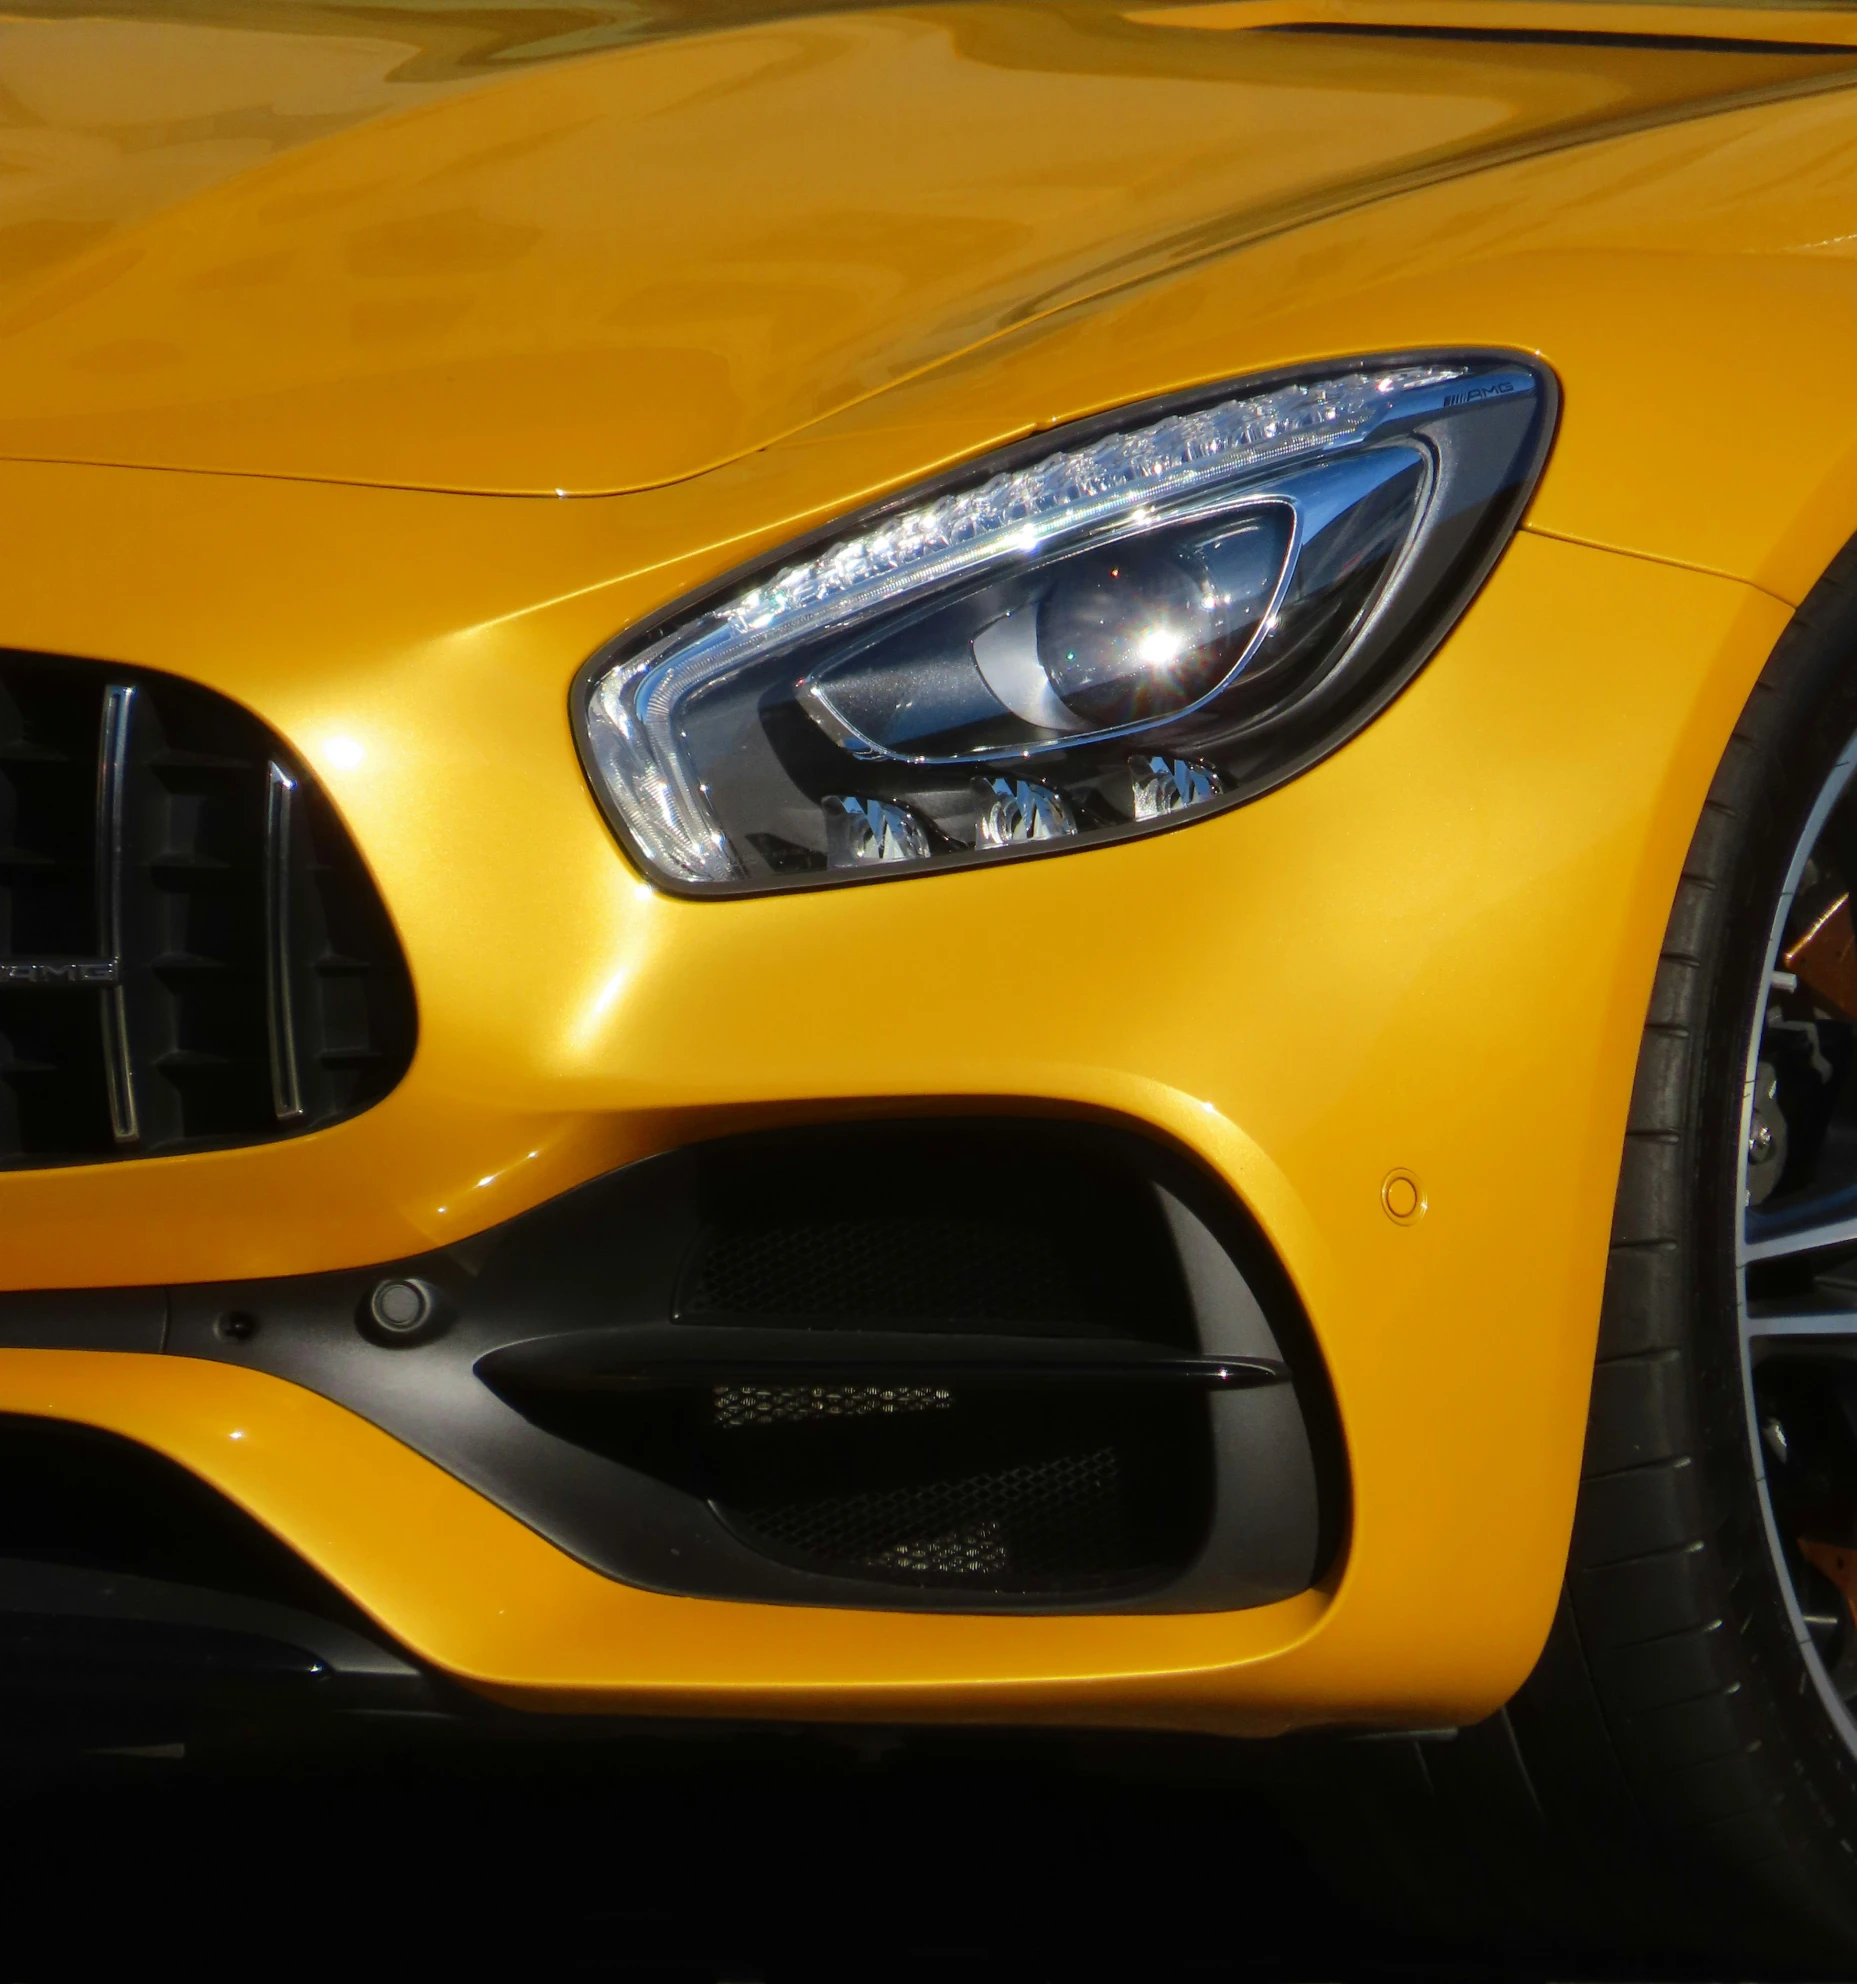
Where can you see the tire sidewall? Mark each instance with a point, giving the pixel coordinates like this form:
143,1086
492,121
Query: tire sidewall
1801,718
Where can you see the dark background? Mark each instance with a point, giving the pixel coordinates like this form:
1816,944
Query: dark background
712,1856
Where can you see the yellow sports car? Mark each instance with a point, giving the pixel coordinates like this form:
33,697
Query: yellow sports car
965,863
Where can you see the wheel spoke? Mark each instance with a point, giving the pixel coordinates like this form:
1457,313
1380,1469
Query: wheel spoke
1822,1324
1805,1238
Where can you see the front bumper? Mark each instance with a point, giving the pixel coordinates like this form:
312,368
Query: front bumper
1429,954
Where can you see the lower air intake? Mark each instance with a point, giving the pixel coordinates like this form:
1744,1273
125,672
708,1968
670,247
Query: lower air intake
1061,1522
1047,1235
191,952
1034,1490
787,1259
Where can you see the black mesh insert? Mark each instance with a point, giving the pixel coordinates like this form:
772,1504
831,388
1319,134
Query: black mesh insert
1035,1229
1022,1489
795,1405
899,1268
1060,1522
191,952
967,1233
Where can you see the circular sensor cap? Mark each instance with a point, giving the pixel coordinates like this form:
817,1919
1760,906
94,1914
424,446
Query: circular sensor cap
403,1309
1403,1197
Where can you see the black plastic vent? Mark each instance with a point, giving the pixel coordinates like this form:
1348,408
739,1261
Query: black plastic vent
971,1236
900,1268
1133,1432
191,952
1034,1232
1027,1491
1051,1520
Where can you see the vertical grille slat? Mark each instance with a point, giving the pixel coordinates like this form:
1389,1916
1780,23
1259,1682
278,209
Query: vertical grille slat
280,1013
192,954
112,767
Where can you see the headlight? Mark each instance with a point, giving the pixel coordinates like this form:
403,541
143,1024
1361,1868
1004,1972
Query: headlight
1163,617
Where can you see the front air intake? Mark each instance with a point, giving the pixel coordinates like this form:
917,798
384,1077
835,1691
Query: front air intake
191,952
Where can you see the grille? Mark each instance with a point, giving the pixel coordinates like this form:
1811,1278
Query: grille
1015,1489
798,1405
894,1269
1020,1487
1061,1522
191,953
1015,1227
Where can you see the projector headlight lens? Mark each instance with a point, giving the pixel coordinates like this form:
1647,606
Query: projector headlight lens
1118,636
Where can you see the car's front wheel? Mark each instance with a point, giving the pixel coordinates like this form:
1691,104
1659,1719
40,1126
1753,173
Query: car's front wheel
1680,1772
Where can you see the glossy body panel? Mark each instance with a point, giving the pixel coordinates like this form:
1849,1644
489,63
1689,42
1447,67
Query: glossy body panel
521,284
1430,953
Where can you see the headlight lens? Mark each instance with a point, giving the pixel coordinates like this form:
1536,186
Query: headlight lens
1124,634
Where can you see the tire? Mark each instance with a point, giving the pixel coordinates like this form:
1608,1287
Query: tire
1674,1778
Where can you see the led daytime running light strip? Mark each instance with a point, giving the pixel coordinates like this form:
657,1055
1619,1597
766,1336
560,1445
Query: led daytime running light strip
1018,510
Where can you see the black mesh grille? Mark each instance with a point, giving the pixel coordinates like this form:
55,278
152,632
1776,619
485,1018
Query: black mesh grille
1028,1489
1061,1523
1025,1229
191,953
897,1268
1028,1229
797,1405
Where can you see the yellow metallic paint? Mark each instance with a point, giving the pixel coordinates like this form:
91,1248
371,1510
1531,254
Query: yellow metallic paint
1430,953
523,284
1762,21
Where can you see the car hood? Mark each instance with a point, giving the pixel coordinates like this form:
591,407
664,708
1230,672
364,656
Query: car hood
642,242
